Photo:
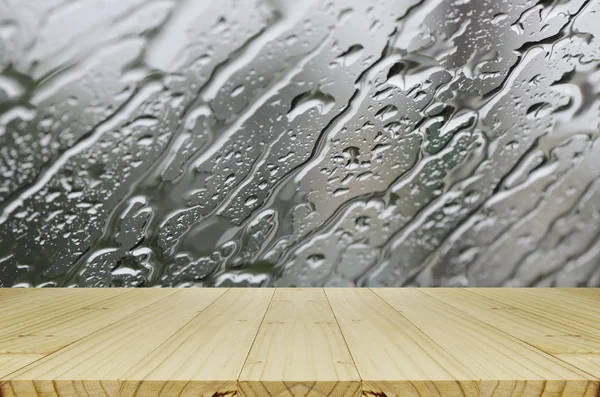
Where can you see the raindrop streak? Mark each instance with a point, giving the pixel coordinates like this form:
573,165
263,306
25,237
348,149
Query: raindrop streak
304,143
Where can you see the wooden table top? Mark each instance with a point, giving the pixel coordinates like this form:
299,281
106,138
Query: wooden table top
300,342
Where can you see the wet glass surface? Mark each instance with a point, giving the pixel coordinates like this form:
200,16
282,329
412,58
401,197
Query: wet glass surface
299,143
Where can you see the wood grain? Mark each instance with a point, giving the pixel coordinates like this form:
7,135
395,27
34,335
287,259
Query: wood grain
299,350
16,311
504,363
551,309
11,296
92,366
393,356
205,356
581,301
332,342
10,363
559,336
41,334
589,363
567,321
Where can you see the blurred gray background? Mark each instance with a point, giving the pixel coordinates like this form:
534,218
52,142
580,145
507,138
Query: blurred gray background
299,143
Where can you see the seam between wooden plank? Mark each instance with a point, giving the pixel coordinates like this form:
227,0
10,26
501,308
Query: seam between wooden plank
121,319
588,330
54,351
16,370
120,381
120,293
524,311
544,353
594,377
179,329
344,338
426,336
514,336
77,340
576,300
253,340
592,333
69,292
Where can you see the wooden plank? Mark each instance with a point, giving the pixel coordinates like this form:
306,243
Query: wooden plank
10,363
93,365
393,357
44,335
22,303
569,297
504,364
571,314
22,292
589,292
11,295
21,300
299,350
560,336
10,292
204,357
31,313
38,334
38,309
299,342
552,310
589,363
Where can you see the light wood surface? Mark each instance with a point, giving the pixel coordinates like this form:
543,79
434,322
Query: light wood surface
331,342
299,350
206,355
391,354
39,332
554,334
504,363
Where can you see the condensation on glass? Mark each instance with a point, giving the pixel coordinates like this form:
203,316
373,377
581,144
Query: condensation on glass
299,143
